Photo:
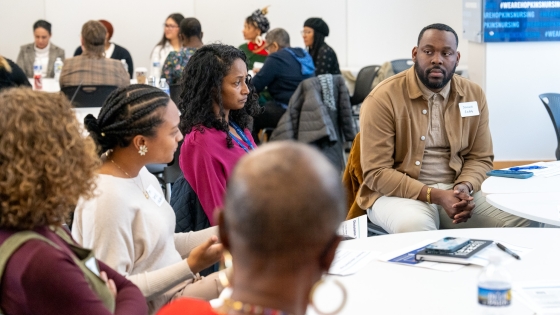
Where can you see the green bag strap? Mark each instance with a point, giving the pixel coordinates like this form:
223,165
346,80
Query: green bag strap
14,242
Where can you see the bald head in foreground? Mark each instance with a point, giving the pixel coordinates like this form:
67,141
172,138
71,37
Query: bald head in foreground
284,203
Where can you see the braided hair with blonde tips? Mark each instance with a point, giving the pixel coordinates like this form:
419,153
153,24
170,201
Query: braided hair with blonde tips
127,112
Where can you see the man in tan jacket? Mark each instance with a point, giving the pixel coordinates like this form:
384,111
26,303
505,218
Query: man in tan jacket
426,145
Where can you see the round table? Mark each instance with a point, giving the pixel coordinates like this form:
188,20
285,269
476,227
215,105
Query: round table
388,288
540,207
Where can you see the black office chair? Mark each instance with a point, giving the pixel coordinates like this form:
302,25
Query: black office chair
88,95
175,93
172,172
374,229
551,102
399,65
362,88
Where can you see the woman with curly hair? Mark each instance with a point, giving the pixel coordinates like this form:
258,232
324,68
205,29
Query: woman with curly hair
45,166
217,105
128,223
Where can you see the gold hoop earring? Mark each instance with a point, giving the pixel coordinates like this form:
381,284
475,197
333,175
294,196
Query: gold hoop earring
228,264
143,150
314,303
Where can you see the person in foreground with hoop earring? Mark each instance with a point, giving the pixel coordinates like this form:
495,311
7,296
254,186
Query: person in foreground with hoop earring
129,223
280,230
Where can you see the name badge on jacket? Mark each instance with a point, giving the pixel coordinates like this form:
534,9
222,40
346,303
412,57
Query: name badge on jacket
469,109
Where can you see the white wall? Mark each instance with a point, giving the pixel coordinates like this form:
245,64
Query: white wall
363,32
516,73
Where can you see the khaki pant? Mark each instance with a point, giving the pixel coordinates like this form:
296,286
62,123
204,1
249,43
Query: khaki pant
399,215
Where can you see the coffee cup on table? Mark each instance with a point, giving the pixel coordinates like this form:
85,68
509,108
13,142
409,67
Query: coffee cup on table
141,75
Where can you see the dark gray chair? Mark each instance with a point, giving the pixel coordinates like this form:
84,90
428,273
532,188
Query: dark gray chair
399,65
175,93
172,172
362,88
88,95
551,102
374,229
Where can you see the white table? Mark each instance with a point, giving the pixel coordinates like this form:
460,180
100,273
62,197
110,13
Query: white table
535,198
504,185
49,85
540,207
52,86
387,288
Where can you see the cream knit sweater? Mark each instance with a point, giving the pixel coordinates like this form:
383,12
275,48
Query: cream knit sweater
135,236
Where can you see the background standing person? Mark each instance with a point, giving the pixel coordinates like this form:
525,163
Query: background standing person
45,166
253,30
170,40
314,32
112,50
42,49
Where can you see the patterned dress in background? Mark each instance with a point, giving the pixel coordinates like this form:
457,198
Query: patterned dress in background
175,63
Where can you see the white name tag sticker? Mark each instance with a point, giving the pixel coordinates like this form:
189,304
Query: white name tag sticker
155,195
91,264
469,109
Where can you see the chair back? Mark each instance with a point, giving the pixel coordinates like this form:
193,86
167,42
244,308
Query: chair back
363,84
172,171
551,102
399,65
175,93
88,95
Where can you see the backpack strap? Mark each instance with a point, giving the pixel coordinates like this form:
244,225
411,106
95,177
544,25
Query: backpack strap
13,243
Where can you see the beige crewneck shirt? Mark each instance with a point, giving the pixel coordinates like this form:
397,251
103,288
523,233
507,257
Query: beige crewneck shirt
137,238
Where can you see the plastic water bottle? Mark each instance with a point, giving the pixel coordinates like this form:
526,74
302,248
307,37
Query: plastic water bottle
494,289
156,69
164,86
37,75
57,69
125,65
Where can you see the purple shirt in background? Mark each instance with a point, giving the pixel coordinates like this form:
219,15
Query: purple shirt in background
207,162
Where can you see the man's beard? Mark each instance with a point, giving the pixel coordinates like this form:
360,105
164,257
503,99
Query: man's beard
423,76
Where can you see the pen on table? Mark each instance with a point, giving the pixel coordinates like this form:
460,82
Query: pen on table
532,167
507,250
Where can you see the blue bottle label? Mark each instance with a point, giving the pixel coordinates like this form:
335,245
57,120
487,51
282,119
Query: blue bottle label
493,297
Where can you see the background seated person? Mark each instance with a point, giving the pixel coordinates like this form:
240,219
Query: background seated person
282,238
423,158
11,75
282,72
92,68
314,32
112,50
190,33
42,49
45,166
128,222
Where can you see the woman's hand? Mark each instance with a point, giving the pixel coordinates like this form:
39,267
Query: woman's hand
110,283
205,254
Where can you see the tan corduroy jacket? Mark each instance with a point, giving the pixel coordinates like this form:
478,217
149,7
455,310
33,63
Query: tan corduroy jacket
393,119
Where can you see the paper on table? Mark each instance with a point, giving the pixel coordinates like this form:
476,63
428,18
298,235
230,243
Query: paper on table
482,258
349,261
541,297
406,256
354,228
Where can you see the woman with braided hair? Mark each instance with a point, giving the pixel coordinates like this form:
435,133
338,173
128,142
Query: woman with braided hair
217,105
256,25
128,222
